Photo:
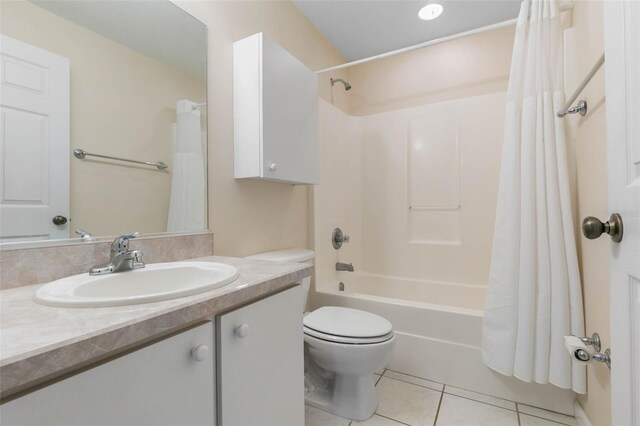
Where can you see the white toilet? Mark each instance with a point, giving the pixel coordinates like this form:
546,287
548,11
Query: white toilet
343,348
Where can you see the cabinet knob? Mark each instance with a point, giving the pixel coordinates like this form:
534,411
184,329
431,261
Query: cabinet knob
199,353
273,167
242,330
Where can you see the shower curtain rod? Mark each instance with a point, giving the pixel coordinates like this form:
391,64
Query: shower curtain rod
496,26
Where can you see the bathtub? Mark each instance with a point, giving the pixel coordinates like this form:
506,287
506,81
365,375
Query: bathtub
438,330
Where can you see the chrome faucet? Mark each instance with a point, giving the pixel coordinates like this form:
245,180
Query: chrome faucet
120,257
344,267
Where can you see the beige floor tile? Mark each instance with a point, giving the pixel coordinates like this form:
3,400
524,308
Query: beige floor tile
549,415
480,397
377,420
415,380
465,412
527,420
316,417
407,403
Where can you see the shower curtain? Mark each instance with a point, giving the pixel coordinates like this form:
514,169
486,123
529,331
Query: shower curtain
534,295
187,208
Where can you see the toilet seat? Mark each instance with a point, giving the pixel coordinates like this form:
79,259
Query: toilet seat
346,340
347,326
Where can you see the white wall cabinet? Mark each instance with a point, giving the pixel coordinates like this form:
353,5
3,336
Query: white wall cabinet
275,114
160,384
261,363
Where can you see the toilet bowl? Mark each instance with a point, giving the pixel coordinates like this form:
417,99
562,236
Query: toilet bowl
343,348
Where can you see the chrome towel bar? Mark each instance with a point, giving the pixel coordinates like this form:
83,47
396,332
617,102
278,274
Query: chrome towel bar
582,105
81,153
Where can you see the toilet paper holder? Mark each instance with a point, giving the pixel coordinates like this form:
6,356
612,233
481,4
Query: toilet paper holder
585,356
594,342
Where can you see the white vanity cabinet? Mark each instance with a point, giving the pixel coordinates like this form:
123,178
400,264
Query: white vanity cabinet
261,362
170,382
275,114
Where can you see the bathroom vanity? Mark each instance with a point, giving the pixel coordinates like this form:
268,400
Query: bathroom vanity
198,360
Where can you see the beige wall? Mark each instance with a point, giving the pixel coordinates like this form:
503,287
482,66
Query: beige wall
122,104
251,216
470,66
591,166
338,198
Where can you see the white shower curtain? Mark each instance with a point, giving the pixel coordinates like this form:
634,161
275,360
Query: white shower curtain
187,208
534,296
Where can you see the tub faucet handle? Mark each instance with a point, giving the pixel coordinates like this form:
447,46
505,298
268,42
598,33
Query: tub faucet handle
338,237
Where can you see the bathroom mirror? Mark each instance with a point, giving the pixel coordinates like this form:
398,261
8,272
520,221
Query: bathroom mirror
121,83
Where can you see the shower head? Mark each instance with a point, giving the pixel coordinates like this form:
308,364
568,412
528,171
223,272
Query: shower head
347,86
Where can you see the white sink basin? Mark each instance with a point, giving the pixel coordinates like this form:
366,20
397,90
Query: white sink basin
153,283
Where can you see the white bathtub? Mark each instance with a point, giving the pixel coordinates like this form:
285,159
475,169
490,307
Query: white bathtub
438,333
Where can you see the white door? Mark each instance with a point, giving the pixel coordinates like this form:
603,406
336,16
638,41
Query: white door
622,53
34,142
261,363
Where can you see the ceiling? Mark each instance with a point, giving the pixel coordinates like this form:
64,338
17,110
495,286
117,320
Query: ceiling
363,28
158,29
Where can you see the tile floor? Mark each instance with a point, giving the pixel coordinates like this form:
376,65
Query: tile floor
413,401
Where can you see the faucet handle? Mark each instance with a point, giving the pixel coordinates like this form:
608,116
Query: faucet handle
121,242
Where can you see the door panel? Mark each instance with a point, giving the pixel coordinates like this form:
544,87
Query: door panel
622,52
261,375
34,142
161,384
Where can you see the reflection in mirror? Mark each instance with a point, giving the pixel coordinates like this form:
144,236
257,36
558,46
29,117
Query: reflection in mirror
125,80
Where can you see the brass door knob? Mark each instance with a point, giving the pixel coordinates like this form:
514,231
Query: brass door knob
592,227
59,220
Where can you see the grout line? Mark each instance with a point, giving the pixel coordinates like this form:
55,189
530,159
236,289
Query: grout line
482,402
414,384
543,418
435,421
411,375
543,409
518,416
378,381
485,394
393,420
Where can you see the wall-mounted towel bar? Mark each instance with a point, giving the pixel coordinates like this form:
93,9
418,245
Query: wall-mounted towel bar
581,108
81,153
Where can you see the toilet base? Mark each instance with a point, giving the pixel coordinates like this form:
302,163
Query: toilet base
349,396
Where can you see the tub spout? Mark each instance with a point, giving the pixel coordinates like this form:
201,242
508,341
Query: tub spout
344,267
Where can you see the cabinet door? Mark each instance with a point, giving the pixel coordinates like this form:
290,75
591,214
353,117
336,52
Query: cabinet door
261,375
289,117
160,384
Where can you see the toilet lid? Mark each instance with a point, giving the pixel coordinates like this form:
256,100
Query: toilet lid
309,332
347,322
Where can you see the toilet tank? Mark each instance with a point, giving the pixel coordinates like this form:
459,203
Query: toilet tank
293,255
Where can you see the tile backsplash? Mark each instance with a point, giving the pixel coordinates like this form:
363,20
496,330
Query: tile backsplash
26,266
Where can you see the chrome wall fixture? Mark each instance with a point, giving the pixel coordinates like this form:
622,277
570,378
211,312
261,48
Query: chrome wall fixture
347,86
80,154
581,108
594,342
338,237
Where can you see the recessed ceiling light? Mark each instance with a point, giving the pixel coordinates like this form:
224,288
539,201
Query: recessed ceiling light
430,11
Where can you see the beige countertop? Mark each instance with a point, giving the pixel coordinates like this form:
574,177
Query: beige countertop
39,343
